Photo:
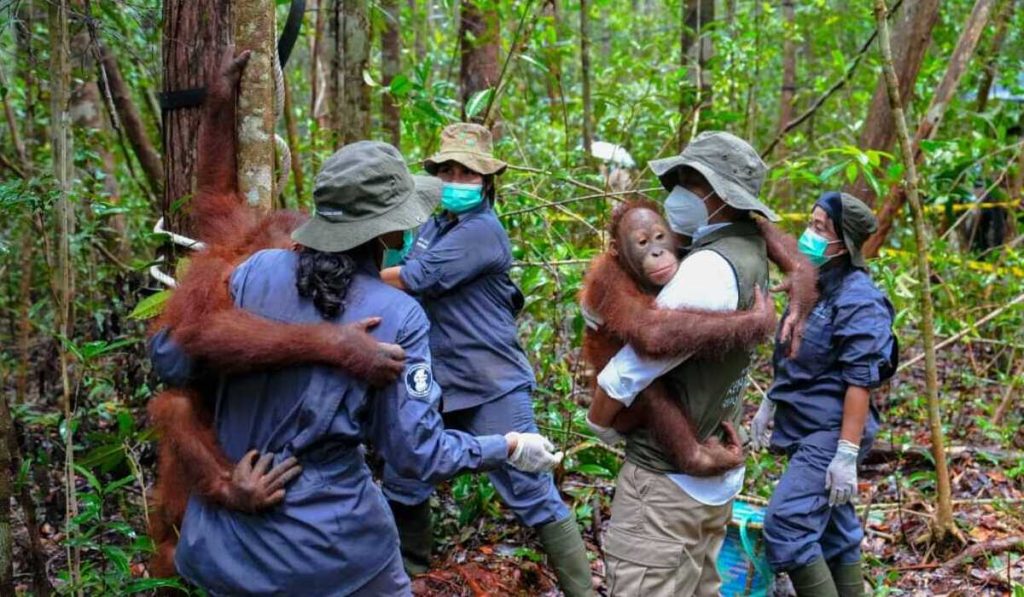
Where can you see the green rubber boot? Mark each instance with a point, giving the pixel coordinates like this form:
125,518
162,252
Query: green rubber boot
568,556
416,535
849,579
813,580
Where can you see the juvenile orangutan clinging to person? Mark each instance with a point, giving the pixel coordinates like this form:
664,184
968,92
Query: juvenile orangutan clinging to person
202,319
618,299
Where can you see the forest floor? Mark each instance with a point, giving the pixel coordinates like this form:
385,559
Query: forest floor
494,555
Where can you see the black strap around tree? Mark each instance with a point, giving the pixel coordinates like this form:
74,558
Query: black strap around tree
193,98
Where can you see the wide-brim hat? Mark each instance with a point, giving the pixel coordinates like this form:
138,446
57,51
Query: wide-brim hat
365,190
731,166
468,144
856,222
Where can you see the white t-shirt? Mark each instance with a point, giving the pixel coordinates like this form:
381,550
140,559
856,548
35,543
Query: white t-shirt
704,280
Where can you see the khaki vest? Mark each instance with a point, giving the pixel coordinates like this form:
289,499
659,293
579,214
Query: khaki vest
711,389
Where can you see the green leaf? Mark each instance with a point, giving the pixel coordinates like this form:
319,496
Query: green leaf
829,172
151,306
851,172
478,102
118,557
400,86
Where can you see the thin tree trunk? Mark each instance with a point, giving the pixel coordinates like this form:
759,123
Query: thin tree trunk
479,41
131,121
944,524
957,65
552,59
391,65
60,142
421,28
788,65
6,493
354,117
195,35
588,124
783,190
293,145
913,36
255,31
989,74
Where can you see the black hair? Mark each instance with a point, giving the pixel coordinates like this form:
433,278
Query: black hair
490,188
325,277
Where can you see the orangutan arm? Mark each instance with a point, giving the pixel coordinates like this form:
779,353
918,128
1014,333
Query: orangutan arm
801,282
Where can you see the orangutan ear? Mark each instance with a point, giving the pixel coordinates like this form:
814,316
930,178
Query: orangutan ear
613,248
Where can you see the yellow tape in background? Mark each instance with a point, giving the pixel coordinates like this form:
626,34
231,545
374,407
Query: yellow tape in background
928,209
978,266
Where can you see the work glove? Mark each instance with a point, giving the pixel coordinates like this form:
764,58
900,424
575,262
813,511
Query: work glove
760,427
607,435
533,453
841,476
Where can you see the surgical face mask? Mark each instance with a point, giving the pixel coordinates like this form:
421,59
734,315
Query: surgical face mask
686,210
393,257
459,198
814,246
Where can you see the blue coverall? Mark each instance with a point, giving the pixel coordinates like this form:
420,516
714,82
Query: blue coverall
334,533
458,269
848,341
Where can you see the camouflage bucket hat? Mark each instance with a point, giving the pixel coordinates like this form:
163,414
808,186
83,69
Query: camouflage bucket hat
859,222
732,167
365,190
468,144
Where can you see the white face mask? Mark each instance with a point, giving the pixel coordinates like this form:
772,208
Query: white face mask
686,211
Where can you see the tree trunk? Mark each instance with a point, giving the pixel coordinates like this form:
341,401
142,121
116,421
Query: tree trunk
944,524
196,32
391,65
551,56
788,65
957,65
131,121
588,123
696,16
255,31
479,41
64,283
293,145
989,74
913,36
6,493
783,190
352,46
421,27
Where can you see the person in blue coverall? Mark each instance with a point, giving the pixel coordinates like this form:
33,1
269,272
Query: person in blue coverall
824,418
458,268
334,534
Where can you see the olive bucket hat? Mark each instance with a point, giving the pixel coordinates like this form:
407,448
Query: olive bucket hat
853,220
732,167
363,191
468,144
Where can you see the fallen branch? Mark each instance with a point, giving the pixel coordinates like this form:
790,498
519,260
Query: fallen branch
987,548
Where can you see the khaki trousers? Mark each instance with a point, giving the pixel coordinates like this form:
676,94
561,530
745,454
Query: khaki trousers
660,541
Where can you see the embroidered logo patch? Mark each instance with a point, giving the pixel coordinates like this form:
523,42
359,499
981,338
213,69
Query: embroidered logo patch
418,381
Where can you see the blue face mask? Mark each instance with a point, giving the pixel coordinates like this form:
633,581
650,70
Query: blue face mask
459,198
815,246
393,257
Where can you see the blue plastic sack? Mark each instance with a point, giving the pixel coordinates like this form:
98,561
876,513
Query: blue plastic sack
742,563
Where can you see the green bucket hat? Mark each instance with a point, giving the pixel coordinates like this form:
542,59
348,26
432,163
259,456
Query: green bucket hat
468,144
855,220
732,167
365,190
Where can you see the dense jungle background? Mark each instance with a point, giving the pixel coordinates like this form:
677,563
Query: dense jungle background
92,155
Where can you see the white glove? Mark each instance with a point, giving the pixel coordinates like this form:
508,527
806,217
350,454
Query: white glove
607,435
841,476
533,453
760,427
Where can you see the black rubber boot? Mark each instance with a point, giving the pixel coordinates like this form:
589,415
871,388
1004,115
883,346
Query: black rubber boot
567,555
813,580
849,579
416,535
